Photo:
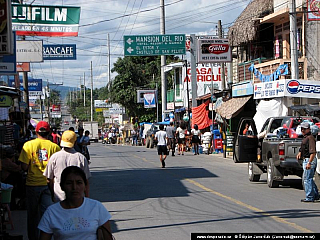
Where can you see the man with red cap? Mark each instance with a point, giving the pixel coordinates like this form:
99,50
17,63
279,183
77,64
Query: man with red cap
34,157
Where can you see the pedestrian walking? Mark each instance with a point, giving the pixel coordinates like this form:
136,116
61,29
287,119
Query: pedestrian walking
134,135
307,153
76,217
171,138
84,142
162,145
196,139
180,132
68,156
34,158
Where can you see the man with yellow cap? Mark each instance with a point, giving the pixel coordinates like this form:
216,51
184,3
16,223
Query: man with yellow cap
68,156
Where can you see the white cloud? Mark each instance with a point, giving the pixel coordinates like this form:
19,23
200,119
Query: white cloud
186,17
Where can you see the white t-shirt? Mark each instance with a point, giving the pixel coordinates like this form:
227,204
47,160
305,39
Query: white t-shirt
195,132
58,162
75,223
161,136
180,131
318,156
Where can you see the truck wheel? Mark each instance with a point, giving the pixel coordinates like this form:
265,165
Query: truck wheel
151,143
270,175
148,142
252,177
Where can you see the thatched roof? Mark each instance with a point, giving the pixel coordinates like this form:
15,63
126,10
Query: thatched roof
245,27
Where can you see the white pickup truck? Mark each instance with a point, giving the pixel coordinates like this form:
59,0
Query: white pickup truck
274,153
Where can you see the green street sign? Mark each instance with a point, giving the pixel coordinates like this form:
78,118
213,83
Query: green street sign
147,45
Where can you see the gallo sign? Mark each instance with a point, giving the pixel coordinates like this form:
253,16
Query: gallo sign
213,50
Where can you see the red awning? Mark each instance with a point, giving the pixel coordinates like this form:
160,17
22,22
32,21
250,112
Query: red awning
200,116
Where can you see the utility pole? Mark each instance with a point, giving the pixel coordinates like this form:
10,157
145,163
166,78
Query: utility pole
193,50
91,105
80,89
84,89
25,79
163,63
109,60
293,40
223,81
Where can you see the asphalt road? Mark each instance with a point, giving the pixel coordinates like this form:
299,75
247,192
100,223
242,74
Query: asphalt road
193,194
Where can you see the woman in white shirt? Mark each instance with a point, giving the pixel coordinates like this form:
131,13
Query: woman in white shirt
180,132
76,217
196,139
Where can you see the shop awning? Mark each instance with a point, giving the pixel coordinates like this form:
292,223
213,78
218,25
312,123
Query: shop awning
232,107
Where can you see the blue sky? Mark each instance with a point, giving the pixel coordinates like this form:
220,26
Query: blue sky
126,17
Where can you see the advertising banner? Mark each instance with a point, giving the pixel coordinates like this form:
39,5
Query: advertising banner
204,76
242,89
6,38
302,88
8,63
102,104
269,89
29,51
23,67
34,86
149,100
59,52
212,50
42,20
56,108
313,10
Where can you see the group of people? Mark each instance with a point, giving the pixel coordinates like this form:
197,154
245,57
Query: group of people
57,187
167,140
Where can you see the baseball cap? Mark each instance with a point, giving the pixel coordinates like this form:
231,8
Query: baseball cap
305,125
68,139
43,126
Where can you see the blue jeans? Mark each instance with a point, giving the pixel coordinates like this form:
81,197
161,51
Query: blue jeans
309,186
134,140
38,200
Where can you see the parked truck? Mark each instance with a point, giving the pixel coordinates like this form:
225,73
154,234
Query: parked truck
273,150
93,128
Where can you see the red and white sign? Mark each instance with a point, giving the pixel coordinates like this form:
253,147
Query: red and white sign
313,10
212,50
56,108
204,76
23,67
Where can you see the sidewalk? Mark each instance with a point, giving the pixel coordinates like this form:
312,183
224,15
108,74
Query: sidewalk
19,218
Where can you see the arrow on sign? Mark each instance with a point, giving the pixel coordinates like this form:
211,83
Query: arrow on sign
130,41
130,50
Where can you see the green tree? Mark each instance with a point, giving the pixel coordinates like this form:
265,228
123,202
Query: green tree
136,73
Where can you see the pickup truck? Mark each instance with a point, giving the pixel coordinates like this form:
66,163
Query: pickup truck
275,152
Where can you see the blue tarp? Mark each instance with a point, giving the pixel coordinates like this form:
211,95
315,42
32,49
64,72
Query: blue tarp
164,123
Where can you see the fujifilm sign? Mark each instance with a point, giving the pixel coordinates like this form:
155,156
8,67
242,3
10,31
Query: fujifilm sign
40,20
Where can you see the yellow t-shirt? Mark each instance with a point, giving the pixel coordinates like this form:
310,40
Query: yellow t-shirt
36,154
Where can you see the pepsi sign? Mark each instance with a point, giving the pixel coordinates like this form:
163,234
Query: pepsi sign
302,88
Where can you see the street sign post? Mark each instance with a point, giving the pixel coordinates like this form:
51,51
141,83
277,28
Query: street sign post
147,45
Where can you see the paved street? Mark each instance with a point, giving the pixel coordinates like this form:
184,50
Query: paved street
204,193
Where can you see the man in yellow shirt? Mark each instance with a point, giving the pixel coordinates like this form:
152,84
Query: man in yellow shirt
34,158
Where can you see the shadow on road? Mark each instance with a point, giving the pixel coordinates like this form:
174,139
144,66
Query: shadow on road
140,184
